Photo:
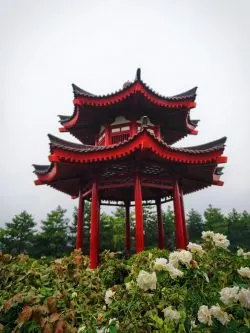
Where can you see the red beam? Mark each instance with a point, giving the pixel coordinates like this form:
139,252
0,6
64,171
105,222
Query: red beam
86,193
161,186
110,186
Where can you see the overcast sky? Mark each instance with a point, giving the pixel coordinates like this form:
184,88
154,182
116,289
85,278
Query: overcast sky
46,45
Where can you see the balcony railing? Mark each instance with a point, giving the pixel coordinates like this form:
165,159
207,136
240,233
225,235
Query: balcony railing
116,138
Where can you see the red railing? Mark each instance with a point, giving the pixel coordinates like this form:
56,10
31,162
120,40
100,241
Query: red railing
116,138
101,142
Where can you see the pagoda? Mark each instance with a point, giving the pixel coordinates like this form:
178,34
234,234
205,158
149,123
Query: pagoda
126,158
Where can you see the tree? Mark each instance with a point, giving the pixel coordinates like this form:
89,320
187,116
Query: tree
239,229
169,229
106,232
118,226
52,240
17,236
195,225
215,220
150,227
86,228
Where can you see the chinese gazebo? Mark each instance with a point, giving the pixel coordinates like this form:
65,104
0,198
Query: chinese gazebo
126,158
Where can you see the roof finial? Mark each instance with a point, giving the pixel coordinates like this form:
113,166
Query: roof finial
138,75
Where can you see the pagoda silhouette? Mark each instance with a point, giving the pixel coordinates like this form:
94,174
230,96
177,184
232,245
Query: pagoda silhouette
126,158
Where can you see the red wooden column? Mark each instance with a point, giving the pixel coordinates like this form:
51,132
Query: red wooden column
133,127
80,222
180,241
184,225
107,138
94,227
139,230
127,227
160,225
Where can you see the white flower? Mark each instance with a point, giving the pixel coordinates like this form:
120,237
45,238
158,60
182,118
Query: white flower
244,298
109,295
174,259
150,255
244,271
245,255
220,315
129,285
171,314
160,264
185,257
207,235
74,294
81,329
146,280
240,252
182,256
173,271
204,315
58,261
195,248
229,295
221,240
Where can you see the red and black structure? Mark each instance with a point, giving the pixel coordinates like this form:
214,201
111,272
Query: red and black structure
126,158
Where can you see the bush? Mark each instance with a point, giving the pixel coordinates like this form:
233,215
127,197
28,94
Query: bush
204,289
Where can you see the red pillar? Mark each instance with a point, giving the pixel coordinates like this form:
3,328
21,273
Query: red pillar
139,230
107,138
94,227
160,225
180,241
80,222
184,225
133,128
127,228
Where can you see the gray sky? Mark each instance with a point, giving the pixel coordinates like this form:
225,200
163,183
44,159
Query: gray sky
47,45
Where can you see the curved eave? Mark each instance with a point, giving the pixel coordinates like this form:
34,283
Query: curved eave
187,95
74,155
62,150
138,87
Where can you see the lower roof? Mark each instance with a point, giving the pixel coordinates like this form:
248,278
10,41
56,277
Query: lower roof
74,166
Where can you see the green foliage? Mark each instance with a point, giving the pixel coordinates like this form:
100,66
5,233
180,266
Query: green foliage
215,220
17,236
150,227
64,295
86,228
169,229
239,229
195,225
58,235
52,240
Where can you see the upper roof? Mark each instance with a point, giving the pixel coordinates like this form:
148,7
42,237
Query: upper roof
187,95
134,100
